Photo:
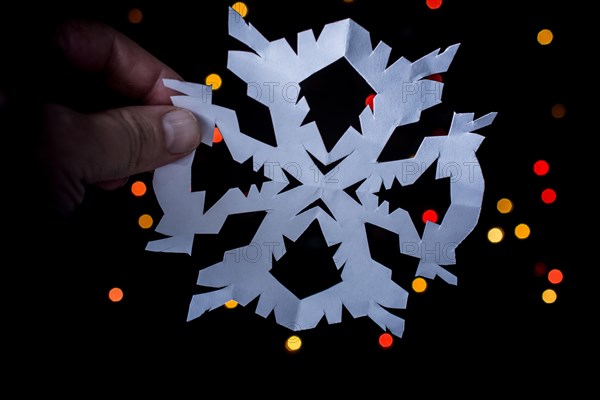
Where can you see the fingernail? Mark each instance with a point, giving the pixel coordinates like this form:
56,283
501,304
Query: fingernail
182,131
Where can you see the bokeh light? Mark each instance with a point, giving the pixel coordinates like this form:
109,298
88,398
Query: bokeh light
293,343
548,196
115,294
386,340
433,4
558,110
495,235
135,16
555,276
545,37
138,188
231,304
145,221
540,269
435,77
213,80
217,136
504,206
522,231
541,167
549,296
429,215
241,8
419,285
369,100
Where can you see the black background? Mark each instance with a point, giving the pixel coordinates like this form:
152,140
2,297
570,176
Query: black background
491,329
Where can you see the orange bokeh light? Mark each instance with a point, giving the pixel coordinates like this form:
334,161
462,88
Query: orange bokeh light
138,188
135,16
115,294
217,136
555,276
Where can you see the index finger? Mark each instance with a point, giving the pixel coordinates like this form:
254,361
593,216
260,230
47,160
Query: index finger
128,68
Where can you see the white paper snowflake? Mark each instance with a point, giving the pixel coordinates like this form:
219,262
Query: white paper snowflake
366,287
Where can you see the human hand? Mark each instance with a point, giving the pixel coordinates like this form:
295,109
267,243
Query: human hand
106,147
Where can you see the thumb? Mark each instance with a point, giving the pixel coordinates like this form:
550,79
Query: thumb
112,145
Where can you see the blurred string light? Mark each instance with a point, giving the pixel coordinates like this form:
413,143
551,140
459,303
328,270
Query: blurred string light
522,231
213,80
145,221
555,276
433,4
369,100
231,304
429,215
419,285
541,167
540,269
241,8
435,77
549,296
545,37
548,196
558,110
115,294
135,16
138,188
293,344
386,340
217,136
504,206
495,235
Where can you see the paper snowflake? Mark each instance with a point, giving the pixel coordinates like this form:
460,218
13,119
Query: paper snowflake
366,287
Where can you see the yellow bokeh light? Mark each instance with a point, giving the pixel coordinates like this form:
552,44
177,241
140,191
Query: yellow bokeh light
213,80
135,16
545,36
504,206
495,235
558,110
522,231
549,296
293,343
419,285
145,221
231,304
115,294
241,8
